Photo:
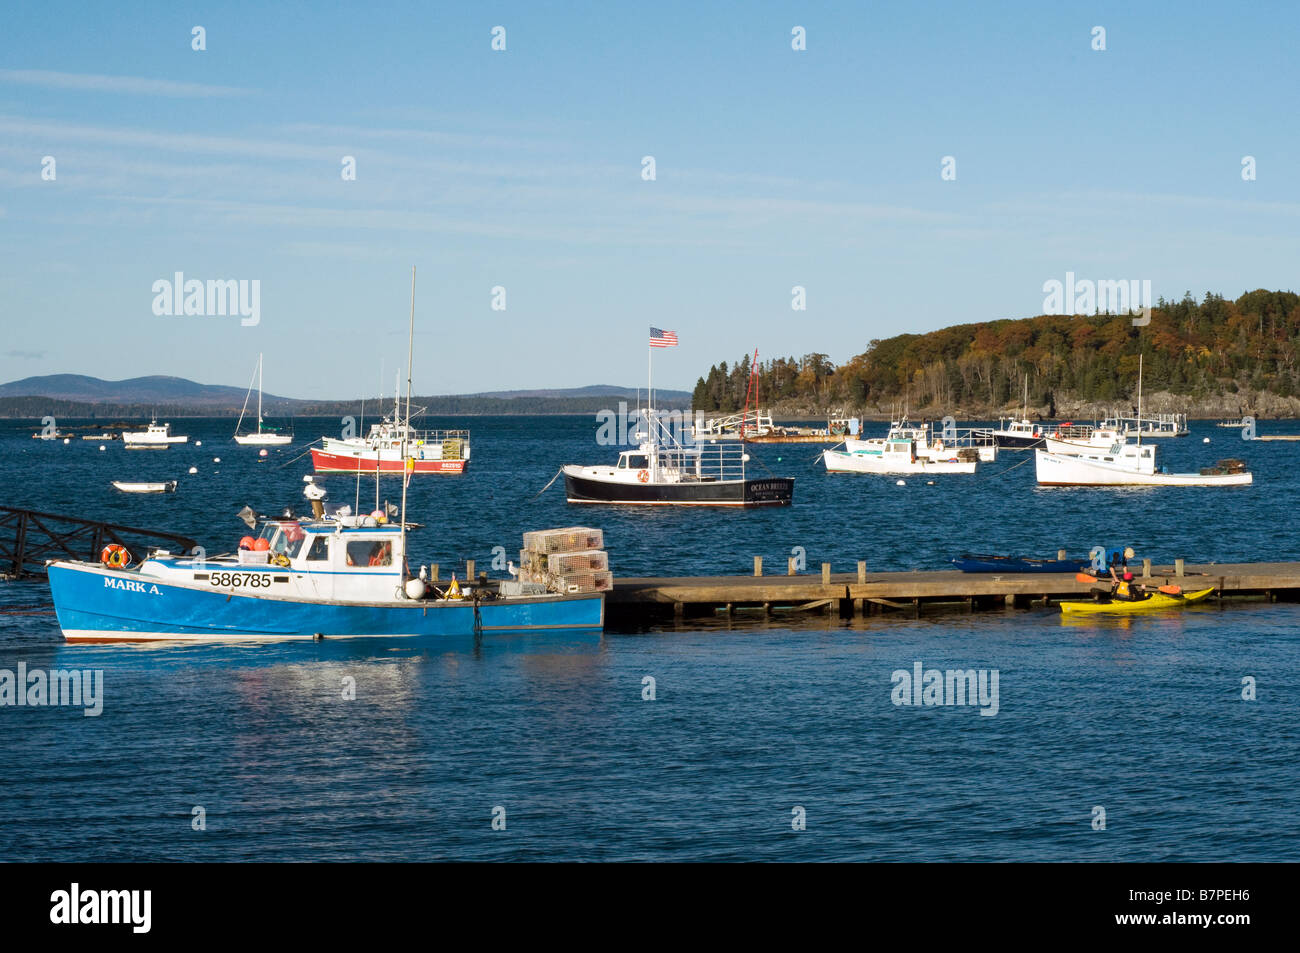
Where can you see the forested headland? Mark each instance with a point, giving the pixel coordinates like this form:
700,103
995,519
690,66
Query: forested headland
1206,358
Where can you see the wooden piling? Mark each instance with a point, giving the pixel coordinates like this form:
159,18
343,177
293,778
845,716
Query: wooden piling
862,571
1146,569
469,569
1178,566
758,565
789,566
826,574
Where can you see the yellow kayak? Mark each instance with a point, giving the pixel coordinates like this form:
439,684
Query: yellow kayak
1157,600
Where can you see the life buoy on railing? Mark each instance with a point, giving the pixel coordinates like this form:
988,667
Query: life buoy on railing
643,476
115,556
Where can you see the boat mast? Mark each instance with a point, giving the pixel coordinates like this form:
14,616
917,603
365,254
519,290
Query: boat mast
259,394
243,410
406,473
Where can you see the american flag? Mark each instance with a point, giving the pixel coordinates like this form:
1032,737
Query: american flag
659,338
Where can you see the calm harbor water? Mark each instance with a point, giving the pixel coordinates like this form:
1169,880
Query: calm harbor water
1142,717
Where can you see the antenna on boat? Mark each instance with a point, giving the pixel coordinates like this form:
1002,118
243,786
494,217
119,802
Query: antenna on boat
1139,420
406,464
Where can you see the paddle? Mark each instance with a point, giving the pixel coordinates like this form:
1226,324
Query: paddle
1167,590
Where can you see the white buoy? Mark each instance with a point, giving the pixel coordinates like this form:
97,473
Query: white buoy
216,459
261,453
198,443
194,469
1206,440
102,447
929,483
66,441
414,589
901,483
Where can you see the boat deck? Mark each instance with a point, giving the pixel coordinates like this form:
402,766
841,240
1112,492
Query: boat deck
850,594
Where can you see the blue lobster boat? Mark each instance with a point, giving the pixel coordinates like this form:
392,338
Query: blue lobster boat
312,578
974,562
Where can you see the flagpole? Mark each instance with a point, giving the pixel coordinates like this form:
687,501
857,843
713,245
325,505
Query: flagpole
406,473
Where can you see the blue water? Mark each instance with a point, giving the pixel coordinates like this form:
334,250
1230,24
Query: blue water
1142,717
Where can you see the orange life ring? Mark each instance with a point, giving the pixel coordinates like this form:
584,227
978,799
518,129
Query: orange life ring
115,556
643,476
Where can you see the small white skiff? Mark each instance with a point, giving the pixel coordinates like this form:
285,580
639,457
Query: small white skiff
166,486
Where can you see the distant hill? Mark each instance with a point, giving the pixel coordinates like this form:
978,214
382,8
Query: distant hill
171,391
76,395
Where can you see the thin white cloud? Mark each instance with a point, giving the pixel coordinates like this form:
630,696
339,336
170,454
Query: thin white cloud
135,85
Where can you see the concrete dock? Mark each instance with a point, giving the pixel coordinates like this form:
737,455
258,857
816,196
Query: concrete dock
863,593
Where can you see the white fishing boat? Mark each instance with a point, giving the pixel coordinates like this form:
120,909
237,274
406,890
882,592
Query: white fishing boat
893,456
154,437
267,437
164,486
1129,464
944,446
1080,438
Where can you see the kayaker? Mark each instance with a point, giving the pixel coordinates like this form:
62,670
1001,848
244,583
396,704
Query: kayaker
1126,588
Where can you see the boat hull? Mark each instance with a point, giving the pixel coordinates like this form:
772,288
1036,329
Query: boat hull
1067,470
166,487
837,462
326,462
1006,441
97,604
1157,600
770,491
264,440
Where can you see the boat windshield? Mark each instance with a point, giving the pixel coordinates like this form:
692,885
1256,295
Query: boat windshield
283,537
634,461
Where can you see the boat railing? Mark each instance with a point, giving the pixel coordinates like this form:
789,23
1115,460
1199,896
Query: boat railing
1074,431
1148,424
960,438
703,463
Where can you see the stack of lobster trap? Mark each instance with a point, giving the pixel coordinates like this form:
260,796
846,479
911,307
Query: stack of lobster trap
571,559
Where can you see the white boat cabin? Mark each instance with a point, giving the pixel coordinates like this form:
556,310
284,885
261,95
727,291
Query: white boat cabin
314,560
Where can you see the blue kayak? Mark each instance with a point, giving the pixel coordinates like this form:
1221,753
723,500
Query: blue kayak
973,562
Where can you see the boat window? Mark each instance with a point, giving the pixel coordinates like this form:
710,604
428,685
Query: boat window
286,537
370,552
637,461
320,549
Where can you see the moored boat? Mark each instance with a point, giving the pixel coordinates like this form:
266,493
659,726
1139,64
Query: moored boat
896,456
301,579
154,437
262,437
660,473
1128,464
164,486
339,574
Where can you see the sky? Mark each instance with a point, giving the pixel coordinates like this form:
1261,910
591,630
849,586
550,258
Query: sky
522,169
